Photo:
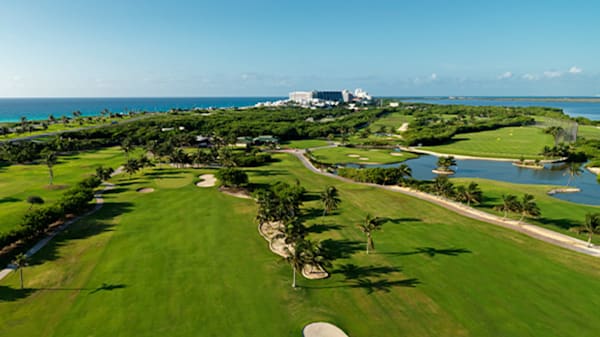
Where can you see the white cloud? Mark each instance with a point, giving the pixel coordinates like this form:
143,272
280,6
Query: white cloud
506,75
575,70
433,76
530,77
552,74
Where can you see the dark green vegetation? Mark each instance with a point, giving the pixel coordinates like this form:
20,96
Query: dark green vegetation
186,261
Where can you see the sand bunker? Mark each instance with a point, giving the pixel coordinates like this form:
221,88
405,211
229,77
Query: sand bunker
145,190
208,180
322,329
396,154
363,158
403,128
353,155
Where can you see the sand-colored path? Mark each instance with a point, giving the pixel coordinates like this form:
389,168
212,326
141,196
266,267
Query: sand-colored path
208,180
322,329
533,231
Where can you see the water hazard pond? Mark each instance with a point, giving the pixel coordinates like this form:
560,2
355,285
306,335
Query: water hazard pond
553,174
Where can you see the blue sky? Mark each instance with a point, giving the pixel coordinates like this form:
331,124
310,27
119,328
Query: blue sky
246,48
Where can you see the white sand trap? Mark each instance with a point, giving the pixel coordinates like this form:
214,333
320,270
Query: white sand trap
353,155
323,329
397,154
363,158
208,180
145,190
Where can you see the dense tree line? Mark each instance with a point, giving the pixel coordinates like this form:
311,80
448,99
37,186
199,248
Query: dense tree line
36,222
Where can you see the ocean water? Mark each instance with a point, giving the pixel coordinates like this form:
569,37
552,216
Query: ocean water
589,110
12,109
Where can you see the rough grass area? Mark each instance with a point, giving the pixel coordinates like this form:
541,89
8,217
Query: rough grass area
511,142
588,132
339,155
391,121
189,262
17,182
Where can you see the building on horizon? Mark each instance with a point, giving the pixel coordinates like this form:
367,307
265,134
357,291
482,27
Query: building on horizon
315,96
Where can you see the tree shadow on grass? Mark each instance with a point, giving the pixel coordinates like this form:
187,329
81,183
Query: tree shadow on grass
264,173
353,272
560,223
9,199
8,294
322,228
431,252
397,221
108,287
84,228
340,249
383,285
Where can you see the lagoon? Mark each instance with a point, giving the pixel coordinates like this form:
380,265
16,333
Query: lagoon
553,174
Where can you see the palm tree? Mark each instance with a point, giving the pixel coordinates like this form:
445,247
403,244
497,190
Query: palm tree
330,199
443,186
573,170
50,159
296,258
144,161
267,206
104,173
469,194
127,146
369,225
510,203
34,200
528,207
20,262
131,167
556,132
444,163
591,226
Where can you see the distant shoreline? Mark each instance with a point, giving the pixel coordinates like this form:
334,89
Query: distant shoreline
505,99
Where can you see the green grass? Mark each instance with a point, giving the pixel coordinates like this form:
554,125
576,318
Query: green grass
557,215
588,132
391,121
186,261
510,142
338,155
17,182
304,143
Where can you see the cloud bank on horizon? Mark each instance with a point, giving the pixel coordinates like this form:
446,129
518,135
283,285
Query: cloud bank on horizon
235,48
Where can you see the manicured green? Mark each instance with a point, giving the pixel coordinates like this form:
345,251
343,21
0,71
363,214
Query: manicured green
510,142
17,182
188,261
338,155
557,215
392,121
588,132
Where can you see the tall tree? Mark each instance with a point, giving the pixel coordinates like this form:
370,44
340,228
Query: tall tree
104,173
442,186
528,207
127,146
510,203
556,132
20,262
469,194
330,199
50,159
131,166
295,256
368,226
591,226
573,170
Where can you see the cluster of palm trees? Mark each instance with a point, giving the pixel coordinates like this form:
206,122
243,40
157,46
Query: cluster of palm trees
525,207
133,165
469,194
280,204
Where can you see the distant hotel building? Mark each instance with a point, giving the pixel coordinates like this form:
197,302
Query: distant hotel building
308,97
